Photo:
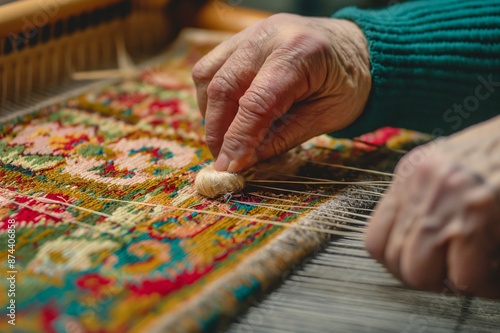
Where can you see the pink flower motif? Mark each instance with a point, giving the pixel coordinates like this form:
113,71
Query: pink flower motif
53,138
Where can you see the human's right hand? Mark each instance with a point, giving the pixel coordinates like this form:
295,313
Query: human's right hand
438,226
280,83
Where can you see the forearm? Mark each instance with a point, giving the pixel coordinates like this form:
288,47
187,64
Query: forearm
435,65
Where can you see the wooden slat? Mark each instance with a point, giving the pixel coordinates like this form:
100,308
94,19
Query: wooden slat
25,15
218,15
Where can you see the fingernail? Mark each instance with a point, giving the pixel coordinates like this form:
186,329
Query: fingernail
234,166
222,163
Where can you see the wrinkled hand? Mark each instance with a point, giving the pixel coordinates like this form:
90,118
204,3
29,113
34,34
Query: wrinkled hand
279,83
438,227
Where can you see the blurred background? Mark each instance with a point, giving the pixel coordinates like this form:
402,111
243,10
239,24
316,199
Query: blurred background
309,7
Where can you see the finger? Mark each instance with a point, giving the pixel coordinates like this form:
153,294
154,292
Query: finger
387,213
423,258
381,224
273,91
209,65
475,253
406,218
421,191
437,187
473,266
424,254
224,91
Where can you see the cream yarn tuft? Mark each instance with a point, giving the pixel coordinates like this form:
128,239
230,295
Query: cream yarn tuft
212,183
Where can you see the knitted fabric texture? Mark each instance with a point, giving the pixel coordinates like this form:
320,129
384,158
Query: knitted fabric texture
435,65
87,260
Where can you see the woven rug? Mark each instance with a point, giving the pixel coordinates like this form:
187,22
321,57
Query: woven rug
102,231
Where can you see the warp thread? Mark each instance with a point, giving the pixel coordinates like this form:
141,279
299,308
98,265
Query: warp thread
212,183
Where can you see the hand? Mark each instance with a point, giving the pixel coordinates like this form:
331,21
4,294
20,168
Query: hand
279,83
438,227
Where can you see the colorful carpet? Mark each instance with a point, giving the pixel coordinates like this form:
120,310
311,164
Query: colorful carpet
102,231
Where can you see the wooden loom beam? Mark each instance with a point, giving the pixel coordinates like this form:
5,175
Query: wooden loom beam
43,42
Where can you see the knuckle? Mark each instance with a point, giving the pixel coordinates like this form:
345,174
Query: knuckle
268,28
237,141
310,43
199,72
452,181
304,47
257,102
213,140
427,169
277,19
431,227
220,88
281,16
215,90
416,162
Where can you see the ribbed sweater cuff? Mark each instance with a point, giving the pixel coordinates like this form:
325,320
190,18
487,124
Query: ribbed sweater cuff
428,59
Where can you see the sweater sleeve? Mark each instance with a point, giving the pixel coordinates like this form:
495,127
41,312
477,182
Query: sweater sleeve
435,65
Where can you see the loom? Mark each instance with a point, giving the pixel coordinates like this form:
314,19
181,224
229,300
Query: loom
338,288
42,43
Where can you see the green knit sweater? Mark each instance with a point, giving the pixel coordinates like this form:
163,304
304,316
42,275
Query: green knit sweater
435,65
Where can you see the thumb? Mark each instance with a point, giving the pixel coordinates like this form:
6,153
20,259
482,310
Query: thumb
301,123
